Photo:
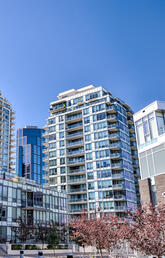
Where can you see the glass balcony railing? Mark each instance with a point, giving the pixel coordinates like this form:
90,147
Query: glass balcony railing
113,126
78,200
117,164
74,143
122,208
75,152
74,134
74,180
75,161
74,126
114,135
77,190
118,186
112,117
115,155
119,175
111,108
115,145
76,170
119,197
70,118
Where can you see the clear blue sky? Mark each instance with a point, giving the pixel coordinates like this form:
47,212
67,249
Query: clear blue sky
49,46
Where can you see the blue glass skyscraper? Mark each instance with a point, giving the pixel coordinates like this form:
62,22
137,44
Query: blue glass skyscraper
29,153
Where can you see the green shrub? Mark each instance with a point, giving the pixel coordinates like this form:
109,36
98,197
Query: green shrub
16,247
31,247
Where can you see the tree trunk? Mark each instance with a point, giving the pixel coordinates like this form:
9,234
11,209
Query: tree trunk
101,253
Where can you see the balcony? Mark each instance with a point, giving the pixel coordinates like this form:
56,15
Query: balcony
76,162
113,127
117,165
75,135
75,153
77,181
119,197
112,118
74,127
82,200
115,146
131,128
115,156
77,171
77,117
135,163
117,176
118,186
77,190
120,208
132,137
114,136
130,121
133,146
111,109
75,144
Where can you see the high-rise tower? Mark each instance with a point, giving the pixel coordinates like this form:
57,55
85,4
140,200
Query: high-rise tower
7,141
92,153
30,153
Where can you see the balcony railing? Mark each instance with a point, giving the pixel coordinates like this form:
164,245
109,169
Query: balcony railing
70,162
74,126
119,197
78,200
74,134
74,180
77,190
76,171
114,135
69,144
115,155
117,164
75,152
115,145
70,118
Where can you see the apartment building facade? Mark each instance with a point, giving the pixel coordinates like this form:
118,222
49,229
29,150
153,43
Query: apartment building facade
23,198
91,151
150,133
7,141
29,153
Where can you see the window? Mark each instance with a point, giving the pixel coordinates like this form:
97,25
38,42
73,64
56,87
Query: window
98,108
62,152
103,163
61,143
87,120
104,184
52,154
102,154
89,165
52,137
100,125
52,162
91,195
100,135
51,121
61,118
103,173
62,170
101,144
88,146
61,135
63,179
61,126
161,123
89,156
52,129
78,100
87,137
91,186
53,171
92,95
87,128
99,116
86,111
90,175
92,206
52,145
3,213
62,161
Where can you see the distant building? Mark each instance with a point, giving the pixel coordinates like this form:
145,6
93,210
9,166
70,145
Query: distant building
7,139
29,154
34,204
150,133
92,152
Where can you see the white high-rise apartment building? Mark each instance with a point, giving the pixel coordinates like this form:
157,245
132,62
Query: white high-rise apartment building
150,132
91,151
7,141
